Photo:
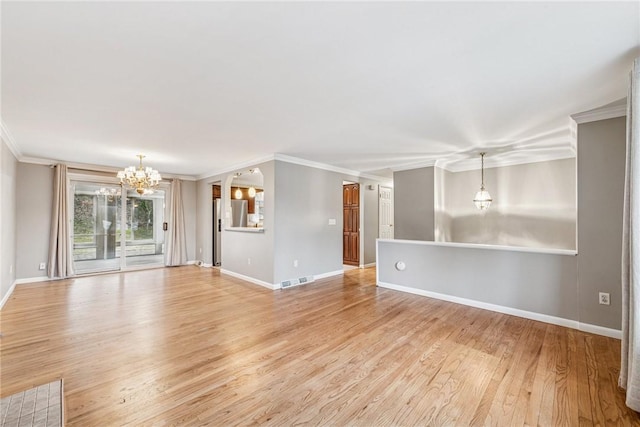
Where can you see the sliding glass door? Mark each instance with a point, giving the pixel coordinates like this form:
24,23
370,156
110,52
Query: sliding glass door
108,224
144,234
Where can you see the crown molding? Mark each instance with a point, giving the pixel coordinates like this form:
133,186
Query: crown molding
414,165
8,139
328,167
473,164
235,167
295,160
602,113
93,168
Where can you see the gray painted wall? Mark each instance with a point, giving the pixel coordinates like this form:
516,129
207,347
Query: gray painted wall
534,282
601,166
413,192
204,217
33,220
534,205
189,205
442,220
7,219
370,227
238,247
33,223
296,197
306,198
561,293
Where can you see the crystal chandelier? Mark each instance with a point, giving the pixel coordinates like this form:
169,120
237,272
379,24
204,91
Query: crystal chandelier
483,198
110,193
142,179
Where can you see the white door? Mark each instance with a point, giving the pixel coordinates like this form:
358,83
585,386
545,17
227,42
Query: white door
385,212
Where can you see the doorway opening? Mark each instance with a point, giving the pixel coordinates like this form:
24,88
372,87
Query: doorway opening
351,224
217,224
385,212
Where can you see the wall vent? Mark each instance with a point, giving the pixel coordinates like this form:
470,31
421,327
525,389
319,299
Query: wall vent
286,284
294,282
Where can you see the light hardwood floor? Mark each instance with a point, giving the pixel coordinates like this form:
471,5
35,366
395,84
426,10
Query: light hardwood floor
187,346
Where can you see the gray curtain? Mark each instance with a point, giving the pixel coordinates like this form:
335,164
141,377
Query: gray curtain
630,363
176,241
60,251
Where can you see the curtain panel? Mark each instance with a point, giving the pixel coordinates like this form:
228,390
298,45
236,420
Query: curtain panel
60,263
176,241
630,353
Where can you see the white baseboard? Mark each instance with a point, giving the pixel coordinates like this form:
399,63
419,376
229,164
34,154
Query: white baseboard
34,280
192,262
250,279
22,282
275,286
200,263
328,274
568,323
6,297
600,330
371,264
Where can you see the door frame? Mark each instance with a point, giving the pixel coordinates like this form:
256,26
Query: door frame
360,245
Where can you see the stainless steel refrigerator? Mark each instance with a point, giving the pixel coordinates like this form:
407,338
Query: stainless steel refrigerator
239,212
217,231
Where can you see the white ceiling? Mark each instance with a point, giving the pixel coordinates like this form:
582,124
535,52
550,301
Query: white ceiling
202,86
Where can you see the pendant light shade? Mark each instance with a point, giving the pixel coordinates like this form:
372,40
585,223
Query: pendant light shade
483,199
238,194
252,192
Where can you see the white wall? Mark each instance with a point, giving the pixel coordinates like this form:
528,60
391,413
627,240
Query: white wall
534,205
8,174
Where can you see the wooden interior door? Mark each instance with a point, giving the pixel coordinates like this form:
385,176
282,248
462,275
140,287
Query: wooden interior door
351,224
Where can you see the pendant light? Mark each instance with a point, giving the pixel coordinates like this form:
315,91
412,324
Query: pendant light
238,194
483,198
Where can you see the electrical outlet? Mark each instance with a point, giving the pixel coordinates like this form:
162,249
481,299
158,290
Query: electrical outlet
43,266
603,298
295,262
